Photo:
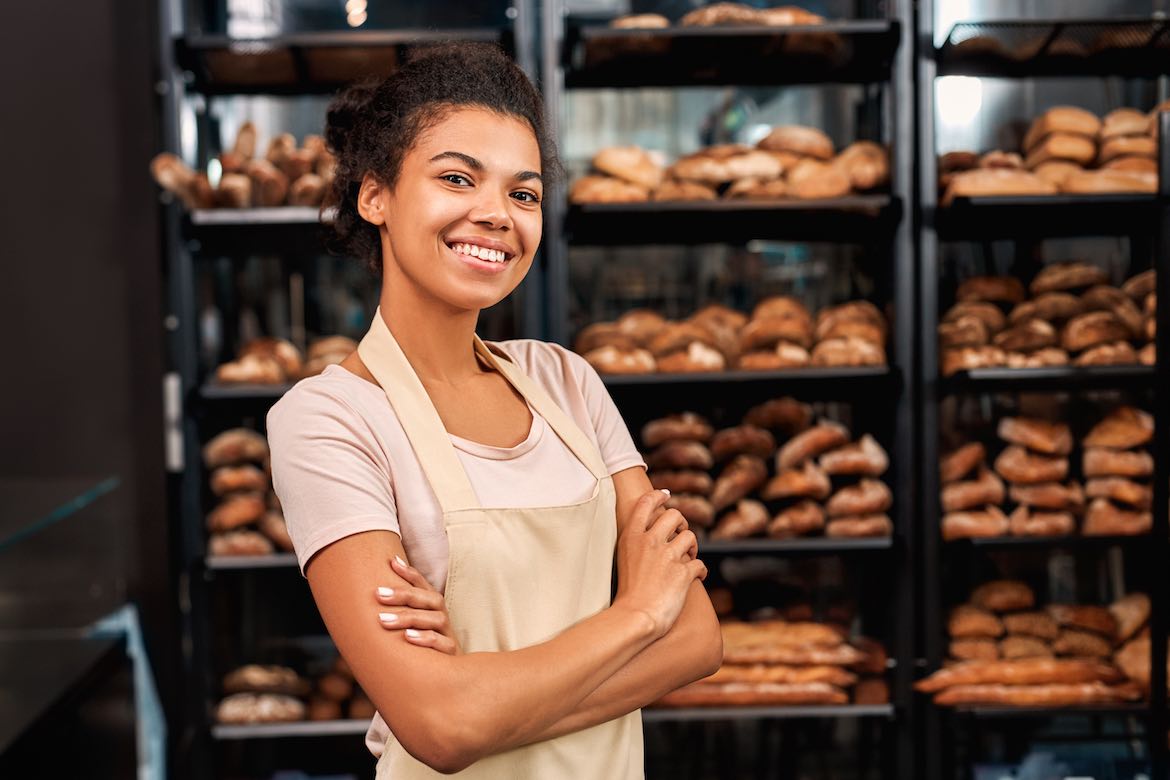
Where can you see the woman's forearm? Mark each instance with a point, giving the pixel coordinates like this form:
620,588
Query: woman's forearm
691,650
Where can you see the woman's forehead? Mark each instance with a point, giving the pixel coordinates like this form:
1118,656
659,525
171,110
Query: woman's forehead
496,140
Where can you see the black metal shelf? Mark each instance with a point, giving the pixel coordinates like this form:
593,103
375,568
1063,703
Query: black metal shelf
668,714
1054,379
1076,541
859,51
987,218
308,63
817,545
828,382
1108,710
849,219
246,562
308,728
282,229
1135,47
242,393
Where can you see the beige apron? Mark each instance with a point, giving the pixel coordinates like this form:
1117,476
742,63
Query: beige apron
516,577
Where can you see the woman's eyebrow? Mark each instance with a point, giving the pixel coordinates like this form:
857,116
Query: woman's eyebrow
467,159
476,165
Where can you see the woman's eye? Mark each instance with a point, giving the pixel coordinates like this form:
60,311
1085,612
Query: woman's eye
456,178
526,197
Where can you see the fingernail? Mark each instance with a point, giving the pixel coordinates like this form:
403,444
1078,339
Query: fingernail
388,617
667,492
386,592
413,633
400,561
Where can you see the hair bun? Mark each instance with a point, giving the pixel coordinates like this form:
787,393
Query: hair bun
346,110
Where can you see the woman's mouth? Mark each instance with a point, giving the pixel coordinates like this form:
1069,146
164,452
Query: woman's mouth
480,257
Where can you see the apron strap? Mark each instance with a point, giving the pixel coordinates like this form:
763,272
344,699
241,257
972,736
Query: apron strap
424,428
564,426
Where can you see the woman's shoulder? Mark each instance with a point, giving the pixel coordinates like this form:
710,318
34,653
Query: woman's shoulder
335,393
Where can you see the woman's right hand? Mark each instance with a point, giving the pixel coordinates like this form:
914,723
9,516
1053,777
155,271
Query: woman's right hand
656,561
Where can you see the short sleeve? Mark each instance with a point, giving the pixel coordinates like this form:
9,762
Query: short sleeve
613,437
328,470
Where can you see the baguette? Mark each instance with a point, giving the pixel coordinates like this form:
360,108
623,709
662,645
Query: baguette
1047,695
1036,671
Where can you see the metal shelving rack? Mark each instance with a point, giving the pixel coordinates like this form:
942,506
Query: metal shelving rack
877,51
1140,53
199,65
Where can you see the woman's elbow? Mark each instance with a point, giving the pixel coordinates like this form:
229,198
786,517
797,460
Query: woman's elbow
714,647
445,744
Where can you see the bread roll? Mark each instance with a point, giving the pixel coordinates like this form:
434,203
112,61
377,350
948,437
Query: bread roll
606,189
986,488
1052,496
1121,490
996,289
971,621
866,164
721,13
686,426
803,517
1049,438
749,518
1082,644
639,22
1102,462
867,497
806,482
1130,613
631,164
1049,695
1123,146
1056,277
989,313
672,189
1053,307
255,678
1104,518
990,522
242,708
1034,624
235,511
742,476
990,182
963,332
960,462
239,542
1123,122
230,479
848,351
1087,617
863,458
684,481
1015,647
786,415
860,527
1062,119
696,509
1015,464
812,180
1038,671
805,141
701,694
974,649
1026,522
1123,428
1110,180
824,436
1057,172
617,360
1003,596
1062,146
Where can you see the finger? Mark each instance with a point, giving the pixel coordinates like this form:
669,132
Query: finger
646,504
409,597
409,573
431,639
668,523
396,620
697,569
683,544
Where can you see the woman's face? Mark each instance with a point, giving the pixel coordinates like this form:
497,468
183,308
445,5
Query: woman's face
464,218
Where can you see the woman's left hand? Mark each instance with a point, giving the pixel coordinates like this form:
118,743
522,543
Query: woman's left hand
418,611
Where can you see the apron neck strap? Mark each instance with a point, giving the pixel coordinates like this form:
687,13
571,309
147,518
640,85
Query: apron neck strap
564,426
432,446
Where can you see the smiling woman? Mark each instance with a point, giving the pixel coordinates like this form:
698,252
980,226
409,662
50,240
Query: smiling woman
458,507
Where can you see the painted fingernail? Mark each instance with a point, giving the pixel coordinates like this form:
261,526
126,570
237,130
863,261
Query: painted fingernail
413,633
386,592
400,561
667,492
388,617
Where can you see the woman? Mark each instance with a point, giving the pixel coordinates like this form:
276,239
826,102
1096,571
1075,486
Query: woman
502,472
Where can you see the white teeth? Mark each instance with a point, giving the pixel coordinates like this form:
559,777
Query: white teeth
483,253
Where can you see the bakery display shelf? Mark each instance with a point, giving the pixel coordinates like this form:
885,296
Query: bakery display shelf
242,393
1135,710
852,382
1049,379
1010,216
813,711
281,229
309,63
1134,47
243,562
813,545
1075,541
847,219
855,51
309,728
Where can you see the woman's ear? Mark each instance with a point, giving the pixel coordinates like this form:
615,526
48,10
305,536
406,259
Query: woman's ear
370,200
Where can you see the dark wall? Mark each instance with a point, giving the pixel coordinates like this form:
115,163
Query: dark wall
81,291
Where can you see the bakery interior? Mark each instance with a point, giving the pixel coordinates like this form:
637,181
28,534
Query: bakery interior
872,283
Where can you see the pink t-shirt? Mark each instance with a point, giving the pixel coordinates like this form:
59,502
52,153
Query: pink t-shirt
342,464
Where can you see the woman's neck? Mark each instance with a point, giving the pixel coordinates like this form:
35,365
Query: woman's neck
437,340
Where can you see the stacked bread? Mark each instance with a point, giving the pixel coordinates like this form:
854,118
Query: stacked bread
1009,652
272,361
717,14
1074,316
790,162
1047,502
776,474
1133,657
286,175
1066,150
1117,471
277,694
780,333
247,519
782,662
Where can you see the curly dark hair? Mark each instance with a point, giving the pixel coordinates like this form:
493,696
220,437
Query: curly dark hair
371,125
